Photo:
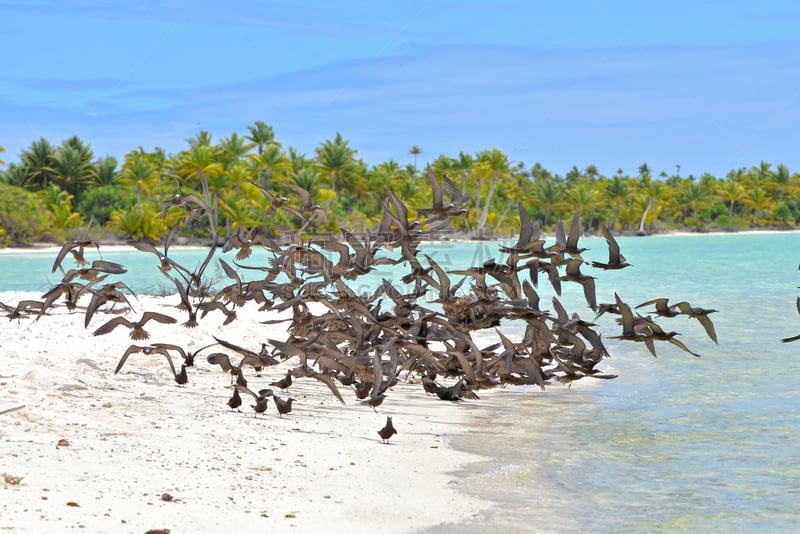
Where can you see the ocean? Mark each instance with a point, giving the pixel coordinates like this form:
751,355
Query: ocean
709,444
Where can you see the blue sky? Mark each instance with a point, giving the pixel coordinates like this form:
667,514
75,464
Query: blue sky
710,85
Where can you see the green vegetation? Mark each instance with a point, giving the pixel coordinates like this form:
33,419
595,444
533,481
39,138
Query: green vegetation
55,190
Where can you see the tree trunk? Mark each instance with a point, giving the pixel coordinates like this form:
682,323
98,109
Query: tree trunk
650,204
485,214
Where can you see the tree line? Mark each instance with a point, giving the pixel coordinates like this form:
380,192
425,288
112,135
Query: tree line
53,191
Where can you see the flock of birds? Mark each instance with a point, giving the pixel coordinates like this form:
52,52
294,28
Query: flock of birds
364,343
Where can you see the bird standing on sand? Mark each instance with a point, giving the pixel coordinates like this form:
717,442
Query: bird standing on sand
387,431
235,401
182,378
282,405
262,398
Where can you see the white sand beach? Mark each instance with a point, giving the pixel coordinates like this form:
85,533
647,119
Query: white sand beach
84,448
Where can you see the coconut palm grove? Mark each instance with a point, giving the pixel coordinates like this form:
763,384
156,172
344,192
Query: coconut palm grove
55,190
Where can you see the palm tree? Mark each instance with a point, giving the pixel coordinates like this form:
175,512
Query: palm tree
616,190
583,197
233,148
782,182
73,168
106,171
17,175
2,163
694,197
299,160
648,190
337,161
262,135
140,174
758,200
415,151
201,138
38,160
494,163
306,178
731,192
548,195
591,172
200,163
271,164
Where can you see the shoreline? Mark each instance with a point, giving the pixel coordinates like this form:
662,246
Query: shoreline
136,436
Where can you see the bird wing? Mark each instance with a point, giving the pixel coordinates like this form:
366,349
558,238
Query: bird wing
128,352
221,359
627,317
328,381
158,317
436,188
111,325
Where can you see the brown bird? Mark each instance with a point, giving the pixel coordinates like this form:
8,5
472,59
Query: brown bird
185,202
283,405
261,398
182,378
137,327
76,248
23,309
574,274
387,431
701,314
235,401
187,355
374,401
258,360
146,349
793,338
284,382
615,259
456,392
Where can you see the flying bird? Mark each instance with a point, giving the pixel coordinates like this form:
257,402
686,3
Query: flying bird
137,327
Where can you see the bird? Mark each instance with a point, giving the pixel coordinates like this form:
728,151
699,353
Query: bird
284,382
146,349
387,431
615,259
107,293
182,378
23,309
374,401
187,355
262,398
76,247
574,274
438,209
185,202
235,401
456,392
283,406
257,360
569,243
137,327
793,338
701,314
662,307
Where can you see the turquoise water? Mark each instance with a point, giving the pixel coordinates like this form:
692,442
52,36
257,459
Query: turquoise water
675,443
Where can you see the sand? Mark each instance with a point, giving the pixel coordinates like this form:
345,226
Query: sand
84,448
